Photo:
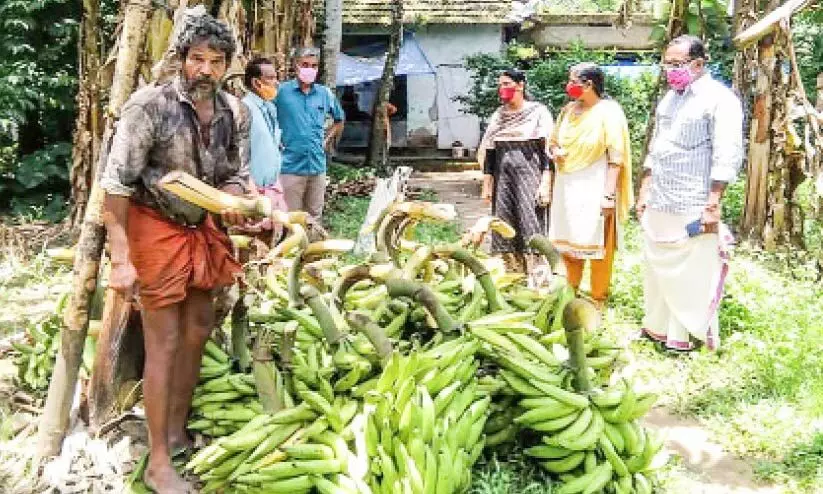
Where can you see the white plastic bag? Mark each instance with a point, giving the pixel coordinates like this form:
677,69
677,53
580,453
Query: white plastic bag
386,191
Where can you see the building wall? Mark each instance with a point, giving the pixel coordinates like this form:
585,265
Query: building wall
433,113
595,31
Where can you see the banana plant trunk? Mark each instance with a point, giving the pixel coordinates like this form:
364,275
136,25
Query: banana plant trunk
62,389
378,151
770,215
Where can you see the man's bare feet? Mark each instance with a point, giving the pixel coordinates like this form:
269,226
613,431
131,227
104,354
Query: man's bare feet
163,479
180,441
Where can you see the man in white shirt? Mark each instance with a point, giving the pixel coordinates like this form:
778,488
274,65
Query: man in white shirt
696,151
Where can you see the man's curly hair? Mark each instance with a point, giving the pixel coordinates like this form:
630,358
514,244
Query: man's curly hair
205,28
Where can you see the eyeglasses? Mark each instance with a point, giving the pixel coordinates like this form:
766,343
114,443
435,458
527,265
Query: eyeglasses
676,65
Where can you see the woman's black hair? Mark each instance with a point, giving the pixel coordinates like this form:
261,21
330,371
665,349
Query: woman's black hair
591,72
515,74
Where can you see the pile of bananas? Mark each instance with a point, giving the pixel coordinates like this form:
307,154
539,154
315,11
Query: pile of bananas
223,401
394,375
287,452
38,351
426,429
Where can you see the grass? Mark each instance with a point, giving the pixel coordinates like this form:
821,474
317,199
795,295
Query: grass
761,395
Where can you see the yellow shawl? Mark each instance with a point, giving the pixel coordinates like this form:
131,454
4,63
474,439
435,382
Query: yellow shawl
585,138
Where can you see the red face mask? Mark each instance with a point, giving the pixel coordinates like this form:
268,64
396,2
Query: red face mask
574,90
506,93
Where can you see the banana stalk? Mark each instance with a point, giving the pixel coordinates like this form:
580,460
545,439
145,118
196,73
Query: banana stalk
482,274
307,254
211,199
579,316
543,245
264,376
426,297
363,323
322,313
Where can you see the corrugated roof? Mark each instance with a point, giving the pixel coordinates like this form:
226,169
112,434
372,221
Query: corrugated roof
424,11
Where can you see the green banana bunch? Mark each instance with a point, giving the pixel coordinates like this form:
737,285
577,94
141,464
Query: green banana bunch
37,352
224,401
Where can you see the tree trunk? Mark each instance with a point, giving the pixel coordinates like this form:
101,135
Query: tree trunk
332,39
378,152
55,420
86,145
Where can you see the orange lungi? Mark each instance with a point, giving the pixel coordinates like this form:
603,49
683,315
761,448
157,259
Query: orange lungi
170,258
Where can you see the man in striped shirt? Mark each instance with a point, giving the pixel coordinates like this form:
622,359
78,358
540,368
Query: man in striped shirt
696,150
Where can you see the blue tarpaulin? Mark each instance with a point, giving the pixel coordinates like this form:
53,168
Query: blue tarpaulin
367,63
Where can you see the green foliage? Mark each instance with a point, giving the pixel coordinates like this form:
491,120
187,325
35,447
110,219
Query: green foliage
345,215
38,68
547,78
340,173
807,33
496,476
734,200
706,19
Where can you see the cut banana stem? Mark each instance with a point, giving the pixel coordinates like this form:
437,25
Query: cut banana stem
426,297
416,262
240,241
576,320
322,313
482,274
347,280
364,324
265,377
543,245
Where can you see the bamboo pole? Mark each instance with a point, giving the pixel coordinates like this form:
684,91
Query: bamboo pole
55,420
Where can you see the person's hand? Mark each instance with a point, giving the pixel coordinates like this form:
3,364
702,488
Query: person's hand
607,205
488,187
711,218
558,155
123,278
544,193
640,204
250,226
328,143
233,218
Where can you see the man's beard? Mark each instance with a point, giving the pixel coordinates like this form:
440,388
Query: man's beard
201,88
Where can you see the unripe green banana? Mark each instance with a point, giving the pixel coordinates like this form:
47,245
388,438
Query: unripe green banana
566,464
